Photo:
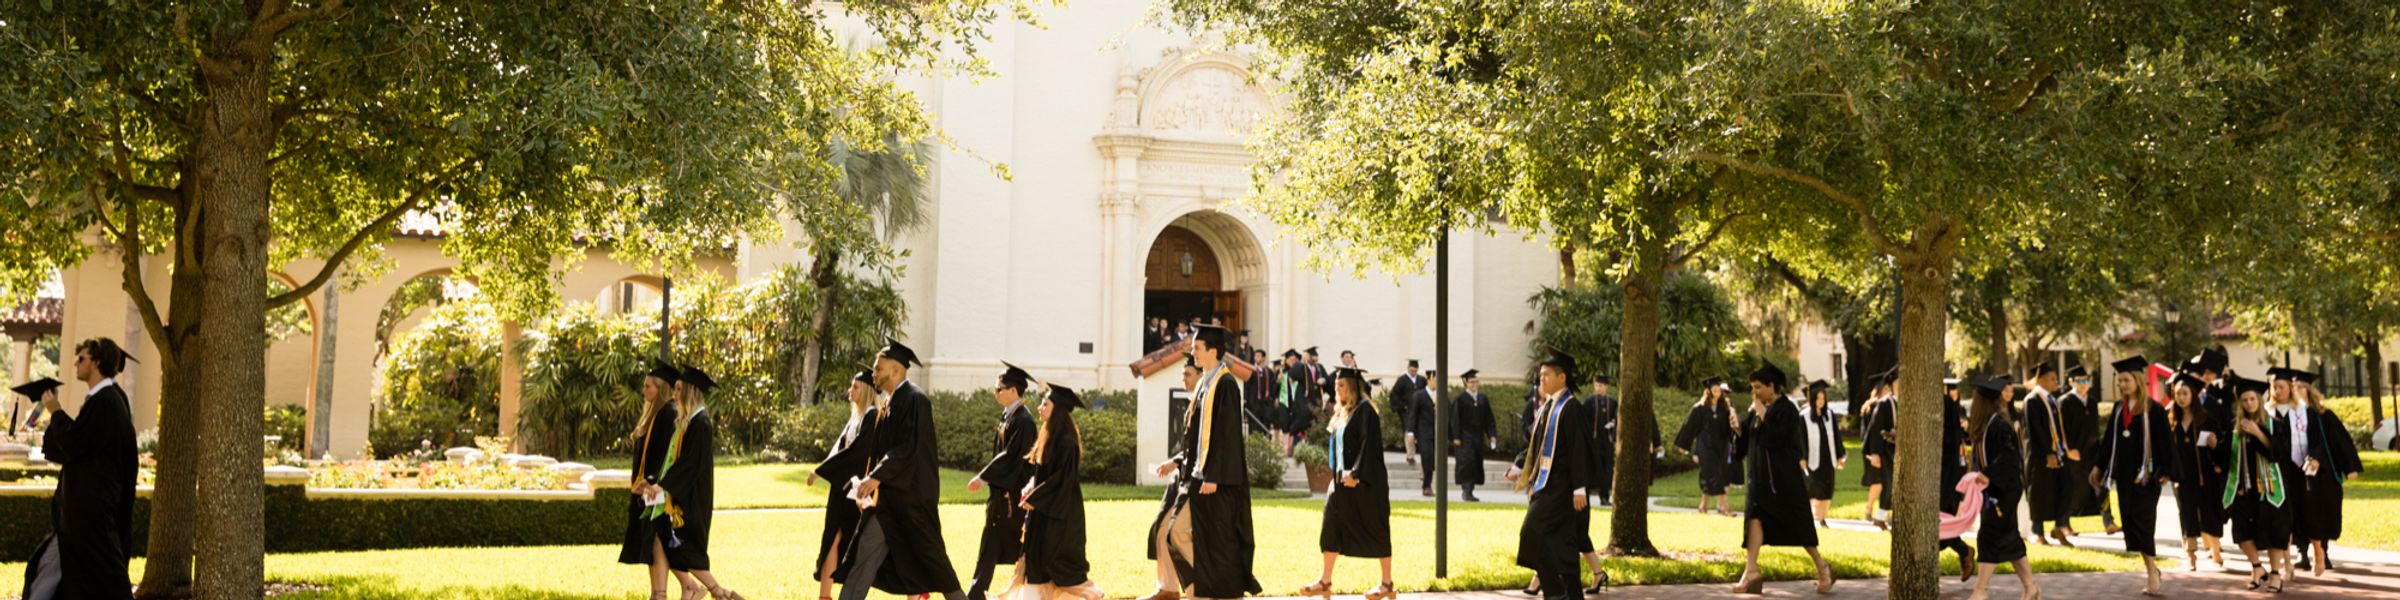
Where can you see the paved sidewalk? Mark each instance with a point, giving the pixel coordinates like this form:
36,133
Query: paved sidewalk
2346,583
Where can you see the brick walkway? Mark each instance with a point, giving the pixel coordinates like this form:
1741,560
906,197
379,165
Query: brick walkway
2378,582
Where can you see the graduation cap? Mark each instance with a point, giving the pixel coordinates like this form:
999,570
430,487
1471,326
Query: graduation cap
695,377
2216,357
2044,369
1191,363
1312,351
2131,364
1950,383
1014,377
1818,386
2187,380
665,372
897,352
1412,363
1602,379
1357,377
1063,398
1432,374
1768,374
866,377
2304,377
1291,354
33,390
1210,335
1992,386
1470,375
1559,360
2244,385
1712,381
2077,372
2283,374
1887,377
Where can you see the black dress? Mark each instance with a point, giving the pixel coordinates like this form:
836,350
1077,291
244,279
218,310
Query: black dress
2199,481
2134,453
1358,520
847,459
690,480
2083,430
1548,541
1054,529
2261,512
91,514
1708,434
2046,471
1774,447
653,451
2320,514
1004,477
1420,423
1954,457
1471,430
1222,541
904,449
1298,406
1829,451
1875,423
2000,457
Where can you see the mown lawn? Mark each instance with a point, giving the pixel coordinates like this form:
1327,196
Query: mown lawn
762,553
785,486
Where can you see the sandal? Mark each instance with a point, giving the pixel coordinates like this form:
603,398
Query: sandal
2278,580
2255,574
1382,592
720,593
1321,589
1824,578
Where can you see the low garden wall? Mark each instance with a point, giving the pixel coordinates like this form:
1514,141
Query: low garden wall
301,519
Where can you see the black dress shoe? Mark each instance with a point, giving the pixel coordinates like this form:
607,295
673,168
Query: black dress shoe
1470,497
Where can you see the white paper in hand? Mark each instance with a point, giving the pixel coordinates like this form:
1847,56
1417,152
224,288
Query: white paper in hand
655,497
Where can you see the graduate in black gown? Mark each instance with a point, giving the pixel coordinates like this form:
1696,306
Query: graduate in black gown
1826,454
1169,584
1472,431
1999,462
686,489
899,548
1258,395
90,438
1005,474
2328,460
2207,370
1055,565
2082,409
2199,472
1553,476
1402,399
2131,456
2049,451
1421,408
1875,443
1954,468
2254,496
1358,509
1773,445
1708,435
845,460
650,437
1208,535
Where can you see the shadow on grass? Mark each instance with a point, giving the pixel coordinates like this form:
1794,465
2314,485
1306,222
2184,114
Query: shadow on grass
383,588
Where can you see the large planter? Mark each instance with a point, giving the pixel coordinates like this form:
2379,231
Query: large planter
1320,479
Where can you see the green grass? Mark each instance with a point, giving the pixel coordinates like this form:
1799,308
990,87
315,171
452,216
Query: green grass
761,554
785,486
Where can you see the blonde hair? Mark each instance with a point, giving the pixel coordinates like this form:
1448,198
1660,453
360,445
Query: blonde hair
689,404
650,410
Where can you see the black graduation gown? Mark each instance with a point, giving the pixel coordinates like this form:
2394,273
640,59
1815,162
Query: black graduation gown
2083,430
2256,518
905,450
691,484
2000,457
2046,471
1422,409
1259,395
652,450
1471,430
1004,478
1297,408
1402,399
847,459
1773,448
1358,520
1875,439
2135,457
2320,514
1054,529
91,513
1222,541
2199,481
1829,451
1547,542
1708,435
1604,443
1954,456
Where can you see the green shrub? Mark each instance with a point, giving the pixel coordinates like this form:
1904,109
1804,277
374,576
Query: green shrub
1312,456
288,424
1265,461
807,434
1697,324
441,383
583,374
1108,445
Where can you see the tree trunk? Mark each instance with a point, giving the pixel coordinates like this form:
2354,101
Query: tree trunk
167,572
1924,318
820,323
320,410
234,182
1637,366
2375,380
1999,358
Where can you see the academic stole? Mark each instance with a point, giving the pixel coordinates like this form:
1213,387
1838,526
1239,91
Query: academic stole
1546,424
2268,479
1206,406
2058,445
674,449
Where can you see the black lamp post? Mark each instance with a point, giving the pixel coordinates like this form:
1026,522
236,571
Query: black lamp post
2174,316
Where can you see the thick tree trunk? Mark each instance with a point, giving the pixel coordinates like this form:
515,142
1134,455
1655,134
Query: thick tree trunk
2375,380
234,182
820,324
167,572
1924,320
1999,358
1637,367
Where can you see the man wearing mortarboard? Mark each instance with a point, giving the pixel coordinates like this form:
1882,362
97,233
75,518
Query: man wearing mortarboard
1006,474
2050,448
91,514
899,548
1206,535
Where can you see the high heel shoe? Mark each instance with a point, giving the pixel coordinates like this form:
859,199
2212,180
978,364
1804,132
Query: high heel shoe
2154,586
1382,592
1751,583
1599,580
2276,580
1320,589
1824,578
695,594
2255,574
721,593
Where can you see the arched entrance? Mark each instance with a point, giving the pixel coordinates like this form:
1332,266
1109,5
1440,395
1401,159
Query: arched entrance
1204,266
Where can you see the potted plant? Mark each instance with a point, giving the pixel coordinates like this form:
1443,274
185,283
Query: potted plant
1313,457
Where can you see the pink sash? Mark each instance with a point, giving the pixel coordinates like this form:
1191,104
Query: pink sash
1956,526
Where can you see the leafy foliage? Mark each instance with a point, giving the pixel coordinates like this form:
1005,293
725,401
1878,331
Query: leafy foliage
442,383
1699,333
583,375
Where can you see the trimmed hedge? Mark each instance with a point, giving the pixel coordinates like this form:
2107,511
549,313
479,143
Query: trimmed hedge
297,523
965,421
